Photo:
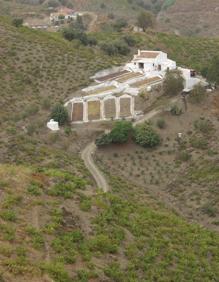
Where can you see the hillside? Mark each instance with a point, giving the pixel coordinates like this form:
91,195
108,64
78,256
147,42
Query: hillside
191,18
54,223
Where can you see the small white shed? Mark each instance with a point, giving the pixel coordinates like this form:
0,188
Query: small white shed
53,125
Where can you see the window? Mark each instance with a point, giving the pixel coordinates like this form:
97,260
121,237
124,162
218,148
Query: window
141,66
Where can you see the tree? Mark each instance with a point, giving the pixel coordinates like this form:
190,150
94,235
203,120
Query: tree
120,24
145,20
173,83
121,132
60,114
146,136
18,22
79,24
103,140
197,94
213,71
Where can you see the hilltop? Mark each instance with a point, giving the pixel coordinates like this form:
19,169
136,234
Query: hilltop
191,18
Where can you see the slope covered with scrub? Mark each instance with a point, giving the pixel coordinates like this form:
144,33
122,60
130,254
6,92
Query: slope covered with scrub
53,221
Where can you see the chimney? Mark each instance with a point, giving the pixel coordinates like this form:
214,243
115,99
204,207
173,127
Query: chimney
139,52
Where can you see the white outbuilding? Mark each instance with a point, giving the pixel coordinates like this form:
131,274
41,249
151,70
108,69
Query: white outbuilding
53,125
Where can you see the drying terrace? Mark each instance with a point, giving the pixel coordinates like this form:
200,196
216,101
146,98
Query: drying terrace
128,77
146,82
101,90
112,76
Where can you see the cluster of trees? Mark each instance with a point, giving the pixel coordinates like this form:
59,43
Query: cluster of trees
143,135
76,31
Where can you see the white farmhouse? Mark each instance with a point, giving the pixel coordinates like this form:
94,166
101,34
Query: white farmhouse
63,14
118,89
151,61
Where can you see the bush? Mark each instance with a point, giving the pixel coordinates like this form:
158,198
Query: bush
203,125
130,40
121,132
8,215
173,83
122,47
197,95
199,142
161,123
103,140
109,49
17,22
115,48
102,243
175,110
209,209
184,156
145,20
60,114
145,135
120,24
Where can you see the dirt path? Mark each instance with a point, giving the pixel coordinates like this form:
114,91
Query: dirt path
87,157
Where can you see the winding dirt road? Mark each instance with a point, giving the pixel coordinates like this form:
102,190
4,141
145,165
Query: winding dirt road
87,157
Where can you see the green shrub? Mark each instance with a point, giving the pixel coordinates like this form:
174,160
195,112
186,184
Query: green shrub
8,215
57,271
17,22
85,203
36,237
145,20
184,156
120,24
102,243
161,123
103,140
199,142
209,209
175,110
114,272
60,114
203,125
173,83
121,132
146,136
8,232
34,189
197,95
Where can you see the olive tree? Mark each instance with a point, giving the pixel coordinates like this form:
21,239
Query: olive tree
173,83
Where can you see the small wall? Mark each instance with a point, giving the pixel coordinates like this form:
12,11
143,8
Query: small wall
93,110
